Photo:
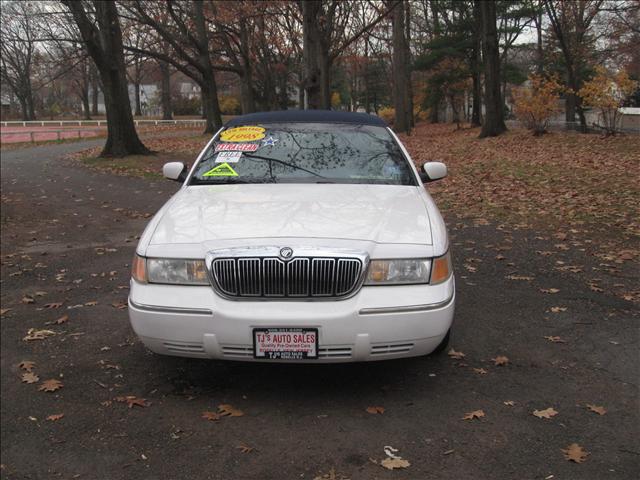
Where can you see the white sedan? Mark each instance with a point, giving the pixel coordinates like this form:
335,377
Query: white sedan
297,236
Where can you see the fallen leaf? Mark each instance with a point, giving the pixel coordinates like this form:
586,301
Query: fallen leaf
500,360
244,448
509,403
575,453
132,401
27,365
30,377
554,339
546,413
119,305
5,310
28,299
55,417
558,309
33,334
53,305
50,385
457,355
448,452
549,290
226,409
597,409
332,475
213,416
519,277
91,304
375,410
480,371
475,414
394,463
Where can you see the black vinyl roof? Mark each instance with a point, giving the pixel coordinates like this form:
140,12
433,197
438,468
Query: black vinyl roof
306,116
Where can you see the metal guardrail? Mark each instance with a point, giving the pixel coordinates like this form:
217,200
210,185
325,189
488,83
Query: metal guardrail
99,123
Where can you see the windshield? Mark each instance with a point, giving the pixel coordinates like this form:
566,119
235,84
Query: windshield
304,153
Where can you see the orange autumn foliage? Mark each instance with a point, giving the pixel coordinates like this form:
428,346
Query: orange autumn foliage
606,92
535,105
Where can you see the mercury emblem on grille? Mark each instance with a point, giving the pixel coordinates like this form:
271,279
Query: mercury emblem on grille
286,253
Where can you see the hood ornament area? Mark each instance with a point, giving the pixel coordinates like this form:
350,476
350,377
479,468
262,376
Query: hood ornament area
286,253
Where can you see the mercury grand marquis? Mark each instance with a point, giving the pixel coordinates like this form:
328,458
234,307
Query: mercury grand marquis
296,236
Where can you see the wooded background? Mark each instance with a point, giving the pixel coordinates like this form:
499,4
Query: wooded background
406,60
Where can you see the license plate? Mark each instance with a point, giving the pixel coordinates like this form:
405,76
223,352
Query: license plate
285,343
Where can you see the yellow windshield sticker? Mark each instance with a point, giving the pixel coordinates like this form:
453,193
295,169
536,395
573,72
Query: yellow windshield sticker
242,134
222,170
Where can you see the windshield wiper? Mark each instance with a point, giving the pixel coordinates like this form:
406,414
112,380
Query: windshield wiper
228,180
283,163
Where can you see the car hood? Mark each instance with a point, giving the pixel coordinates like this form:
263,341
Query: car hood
379,213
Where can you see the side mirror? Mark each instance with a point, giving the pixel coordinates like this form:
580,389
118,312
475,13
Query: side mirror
432,171
175,171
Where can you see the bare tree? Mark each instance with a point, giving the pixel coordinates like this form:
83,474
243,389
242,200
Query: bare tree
329,27
401,69
571,23
99,27
18,47
186,31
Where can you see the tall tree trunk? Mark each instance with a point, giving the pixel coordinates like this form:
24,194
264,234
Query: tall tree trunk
247,99
104,43
493,124
476,63
165,90
94,92
24,108
407,44
367,107
211,107
209,89
402,122
136,90
325,78
434,116
86,108
539,50
311,52
301,91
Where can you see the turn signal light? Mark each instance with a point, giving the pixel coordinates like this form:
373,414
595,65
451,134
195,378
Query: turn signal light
139,269
441,269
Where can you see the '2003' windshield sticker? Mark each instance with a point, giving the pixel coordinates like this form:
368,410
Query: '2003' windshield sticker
242,134
237,147
231,157
269,142
222,170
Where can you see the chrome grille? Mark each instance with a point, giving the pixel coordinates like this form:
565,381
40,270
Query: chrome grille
272,277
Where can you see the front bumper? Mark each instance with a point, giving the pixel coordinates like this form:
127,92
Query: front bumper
376,324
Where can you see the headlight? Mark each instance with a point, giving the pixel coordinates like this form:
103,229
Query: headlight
176,271
398,272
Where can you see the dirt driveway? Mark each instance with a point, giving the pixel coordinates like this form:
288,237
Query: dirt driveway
68,234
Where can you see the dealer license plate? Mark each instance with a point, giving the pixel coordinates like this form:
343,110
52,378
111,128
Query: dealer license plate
285,343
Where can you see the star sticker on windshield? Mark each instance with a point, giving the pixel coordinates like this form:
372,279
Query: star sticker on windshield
269,142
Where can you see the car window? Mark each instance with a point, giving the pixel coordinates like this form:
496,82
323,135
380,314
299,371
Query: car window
304,153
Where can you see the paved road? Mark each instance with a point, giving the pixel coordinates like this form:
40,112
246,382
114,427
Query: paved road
70,232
